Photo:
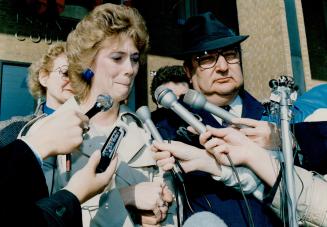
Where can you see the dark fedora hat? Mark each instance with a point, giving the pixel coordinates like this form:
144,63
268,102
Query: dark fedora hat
205,32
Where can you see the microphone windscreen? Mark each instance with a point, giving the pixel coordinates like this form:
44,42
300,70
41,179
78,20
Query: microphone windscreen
204,219
105,101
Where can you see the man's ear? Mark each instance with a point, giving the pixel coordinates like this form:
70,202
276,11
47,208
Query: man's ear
188,72
43,77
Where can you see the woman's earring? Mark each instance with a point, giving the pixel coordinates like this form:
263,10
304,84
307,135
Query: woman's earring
87,74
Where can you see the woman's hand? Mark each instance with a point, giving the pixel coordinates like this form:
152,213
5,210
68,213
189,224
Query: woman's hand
263,133
191,158
150,198
223,141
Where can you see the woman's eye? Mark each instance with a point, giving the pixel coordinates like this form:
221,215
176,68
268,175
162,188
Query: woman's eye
135,58
116,58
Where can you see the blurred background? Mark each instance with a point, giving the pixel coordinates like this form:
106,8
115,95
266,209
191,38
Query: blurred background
287,37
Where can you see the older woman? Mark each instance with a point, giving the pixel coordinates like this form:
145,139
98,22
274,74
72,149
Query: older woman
47,79
105,51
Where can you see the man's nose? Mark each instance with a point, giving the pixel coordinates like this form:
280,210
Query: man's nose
221,64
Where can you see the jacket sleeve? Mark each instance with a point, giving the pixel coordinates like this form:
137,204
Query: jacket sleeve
112,211
311,191
61,209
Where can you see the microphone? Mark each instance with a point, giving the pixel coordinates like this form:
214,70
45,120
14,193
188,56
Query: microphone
204,219
198,101
103,103
166,98
144,114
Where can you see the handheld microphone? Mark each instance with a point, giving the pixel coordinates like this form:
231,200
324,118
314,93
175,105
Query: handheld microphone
144,114
198,101
104,102
166,98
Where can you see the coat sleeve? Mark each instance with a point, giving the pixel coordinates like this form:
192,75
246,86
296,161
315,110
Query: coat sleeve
61,209
112,211
25,201
311,191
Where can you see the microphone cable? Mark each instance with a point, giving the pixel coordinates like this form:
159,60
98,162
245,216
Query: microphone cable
249,211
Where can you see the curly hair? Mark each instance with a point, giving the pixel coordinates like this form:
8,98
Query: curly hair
167,74
44,63
105,21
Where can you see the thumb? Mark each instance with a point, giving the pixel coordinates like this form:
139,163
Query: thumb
94,160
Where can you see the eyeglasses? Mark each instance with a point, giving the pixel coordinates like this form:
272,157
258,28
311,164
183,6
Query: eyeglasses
209,59
63,72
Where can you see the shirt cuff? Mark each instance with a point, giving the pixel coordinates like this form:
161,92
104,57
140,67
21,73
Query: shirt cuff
36,153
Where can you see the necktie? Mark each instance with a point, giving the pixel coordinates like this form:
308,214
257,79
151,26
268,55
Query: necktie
223,122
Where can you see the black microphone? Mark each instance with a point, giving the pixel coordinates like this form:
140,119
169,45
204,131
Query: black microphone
198,101
144,114
166,98
104,102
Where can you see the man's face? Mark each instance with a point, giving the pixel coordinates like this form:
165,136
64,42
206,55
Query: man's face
217,73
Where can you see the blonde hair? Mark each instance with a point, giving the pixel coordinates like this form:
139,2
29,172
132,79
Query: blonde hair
105,21
45,63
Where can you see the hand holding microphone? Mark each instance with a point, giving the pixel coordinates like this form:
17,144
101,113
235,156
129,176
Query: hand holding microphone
103,103
144,114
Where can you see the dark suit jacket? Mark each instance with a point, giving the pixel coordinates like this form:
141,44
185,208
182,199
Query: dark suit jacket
206,194
24,194
312,140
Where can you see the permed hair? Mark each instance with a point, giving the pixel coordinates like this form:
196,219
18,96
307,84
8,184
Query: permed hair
167,74
44,63
105,21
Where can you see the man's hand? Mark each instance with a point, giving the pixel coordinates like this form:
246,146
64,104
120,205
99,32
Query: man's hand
59,133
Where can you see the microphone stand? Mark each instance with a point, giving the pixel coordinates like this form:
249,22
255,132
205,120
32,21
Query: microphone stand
284,91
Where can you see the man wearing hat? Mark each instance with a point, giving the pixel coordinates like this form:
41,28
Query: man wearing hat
212,62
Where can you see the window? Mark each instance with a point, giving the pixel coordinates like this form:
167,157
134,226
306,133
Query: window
15,99
315,20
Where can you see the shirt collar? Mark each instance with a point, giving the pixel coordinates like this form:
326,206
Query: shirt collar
47,110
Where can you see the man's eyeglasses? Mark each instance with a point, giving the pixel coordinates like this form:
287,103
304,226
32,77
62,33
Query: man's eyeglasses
209,59
62,71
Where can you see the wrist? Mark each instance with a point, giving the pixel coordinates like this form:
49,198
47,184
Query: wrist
127,194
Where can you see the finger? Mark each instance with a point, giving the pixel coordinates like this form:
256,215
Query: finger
245,121
163,211
204,137
167,195
111,168
192,130
163,162
214,142
149,220
219,132
220,154
174,148
94,160
168,166
161,155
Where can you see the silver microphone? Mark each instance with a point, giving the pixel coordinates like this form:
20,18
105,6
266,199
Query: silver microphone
198,101
144,114
166,98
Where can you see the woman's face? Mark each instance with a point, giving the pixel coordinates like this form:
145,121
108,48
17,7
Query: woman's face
115,68
57,83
